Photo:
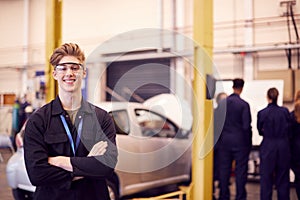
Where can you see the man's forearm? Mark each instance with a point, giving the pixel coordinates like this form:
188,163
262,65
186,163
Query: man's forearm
65,162
62,162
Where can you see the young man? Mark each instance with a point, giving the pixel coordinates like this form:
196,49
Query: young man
273,125
69,144
235,142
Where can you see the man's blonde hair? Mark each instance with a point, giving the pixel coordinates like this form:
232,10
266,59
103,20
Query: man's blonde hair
67,49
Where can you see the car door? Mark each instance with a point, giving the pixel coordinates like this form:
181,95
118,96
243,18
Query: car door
165,151
128,164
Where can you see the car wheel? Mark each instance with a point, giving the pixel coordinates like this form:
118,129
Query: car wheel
112,189
19,194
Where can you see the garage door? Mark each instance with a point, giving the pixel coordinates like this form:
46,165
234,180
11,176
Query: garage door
138,78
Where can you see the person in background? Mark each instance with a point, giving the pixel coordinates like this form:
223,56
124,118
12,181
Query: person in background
22,112
273,125
19,118
69,144
295,142
235,142
15,121
219,117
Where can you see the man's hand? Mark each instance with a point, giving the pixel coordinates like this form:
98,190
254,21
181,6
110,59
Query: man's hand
62,162
98,149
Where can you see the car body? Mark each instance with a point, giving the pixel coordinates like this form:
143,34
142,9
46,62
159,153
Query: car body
16,173
153,150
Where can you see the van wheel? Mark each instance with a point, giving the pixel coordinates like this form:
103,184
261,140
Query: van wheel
112,189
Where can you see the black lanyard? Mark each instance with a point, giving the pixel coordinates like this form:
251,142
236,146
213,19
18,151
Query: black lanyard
74,147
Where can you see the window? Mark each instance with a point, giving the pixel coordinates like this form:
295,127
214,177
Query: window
121,121
154,125
146,77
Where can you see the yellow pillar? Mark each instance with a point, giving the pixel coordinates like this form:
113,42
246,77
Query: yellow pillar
202,167
53,40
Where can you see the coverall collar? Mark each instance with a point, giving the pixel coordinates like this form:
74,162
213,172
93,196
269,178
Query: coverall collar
57,108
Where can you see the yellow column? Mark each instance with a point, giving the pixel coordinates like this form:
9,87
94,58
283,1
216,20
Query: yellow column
53,40
202,167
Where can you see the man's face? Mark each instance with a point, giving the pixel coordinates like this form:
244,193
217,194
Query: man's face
69,74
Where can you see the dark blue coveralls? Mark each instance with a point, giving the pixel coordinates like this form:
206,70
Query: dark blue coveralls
273,124
235,144
295,149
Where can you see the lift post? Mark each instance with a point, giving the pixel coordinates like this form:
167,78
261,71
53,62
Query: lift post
202,159
53,40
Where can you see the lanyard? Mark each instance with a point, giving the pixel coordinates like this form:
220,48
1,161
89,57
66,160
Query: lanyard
74,147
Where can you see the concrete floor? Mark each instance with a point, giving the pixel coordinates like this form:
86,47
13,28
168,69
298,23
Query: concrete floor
5,191
253,191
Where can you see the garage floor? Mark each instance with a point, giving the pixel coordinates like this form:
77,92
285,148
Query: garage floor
5,191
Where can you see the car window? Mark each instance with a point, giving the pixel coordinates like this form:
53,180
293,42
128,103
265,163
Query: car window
154,125
121,121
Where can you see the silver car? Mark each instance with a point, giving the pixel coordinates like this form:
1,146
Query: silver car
154,145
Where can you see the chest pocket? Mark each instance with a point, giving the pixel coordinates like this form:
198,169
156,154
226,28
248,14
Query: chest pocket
57,143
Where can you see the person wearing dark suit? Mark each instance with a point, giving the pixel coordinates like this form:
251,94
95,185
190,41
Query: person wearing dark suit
235,142
295,142
273,124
